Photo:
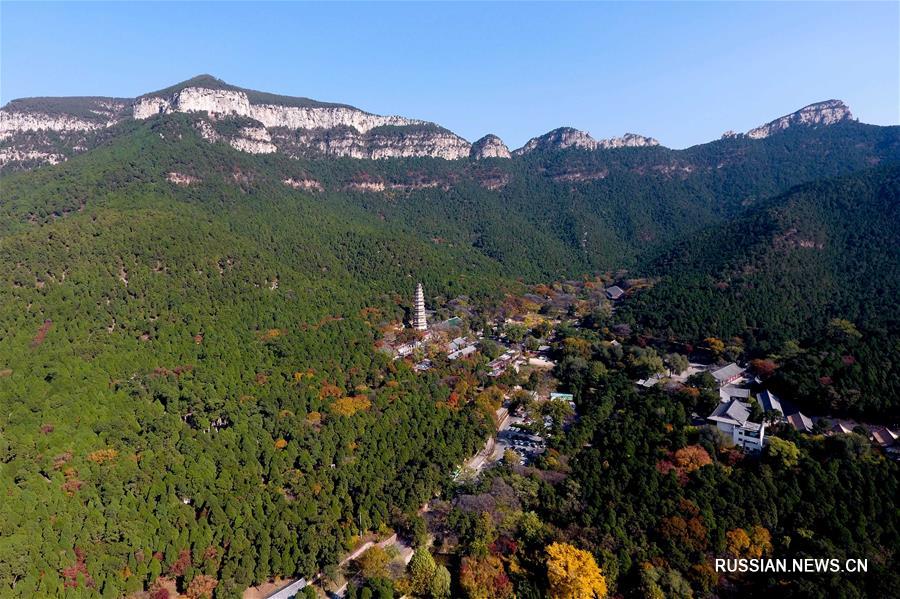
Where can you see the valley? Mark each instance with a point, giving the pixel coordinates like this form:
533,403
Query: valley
212,376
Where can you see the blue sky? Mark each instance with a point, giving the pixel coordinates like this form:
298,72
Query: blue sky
681,72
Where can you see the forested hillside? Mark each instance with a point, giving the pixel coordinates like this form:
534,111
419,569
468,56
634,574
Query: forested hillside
782,273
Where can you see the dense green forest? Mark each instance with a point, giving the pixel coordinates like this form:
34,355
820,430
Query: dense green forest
195,375
189,379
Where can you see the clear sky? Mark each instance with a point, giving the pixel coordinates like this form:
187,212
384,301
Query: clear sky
680,72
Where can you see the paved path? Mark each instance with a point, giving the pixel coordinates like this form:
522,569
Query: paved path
493,448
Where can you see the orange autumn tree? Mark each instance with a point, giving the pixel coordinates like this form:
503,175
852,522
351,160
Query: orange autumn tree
103,455
764,368
202,587
691,457
573,573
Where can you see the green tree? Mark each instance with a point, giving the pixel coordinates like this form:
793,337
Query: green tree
439,588
783,452
420,571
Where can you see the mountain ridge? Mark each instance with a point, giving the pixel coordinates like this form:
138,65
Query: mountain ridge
44,130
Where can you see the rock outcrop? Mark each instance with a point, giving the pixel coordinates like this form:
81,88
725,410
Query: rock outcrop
820,114
305,184
559,139
629,140
489,146
62,115
567,137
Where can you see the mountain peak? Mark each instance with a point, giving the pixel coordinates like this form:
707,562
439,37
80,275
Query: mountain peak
489,146
818,114
209,82
629,140
559,139
203,80
568,137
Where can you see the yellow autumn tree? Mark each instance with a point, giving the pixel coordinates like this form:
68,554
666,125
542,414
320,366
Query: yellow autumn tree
103,455
373,563
737,541
348,406
573,573
715,345
760,542
755,544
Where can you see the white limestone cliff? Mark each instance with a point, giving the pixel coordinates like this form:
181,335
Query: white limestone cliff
17,122
50,130
14,155
374,145
254,140
321,129
229,102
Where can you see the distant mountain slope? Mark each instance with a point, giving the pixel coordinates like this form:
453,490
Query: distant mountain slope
829,249
577,210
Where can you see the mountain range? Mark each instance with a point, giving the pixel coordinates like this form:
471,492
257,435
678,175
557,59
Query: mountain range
48,130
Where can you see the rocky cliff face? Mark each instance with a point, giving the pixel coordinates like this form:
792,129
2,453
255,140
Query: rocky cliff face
820,114
327,130
489,146
567,137
297,126
559,139
12,123
35,131
378,143
250,139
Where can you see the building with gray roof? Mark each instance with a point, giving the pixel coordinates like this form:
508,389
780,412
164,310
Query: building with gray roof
614,292
733,419
728,374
